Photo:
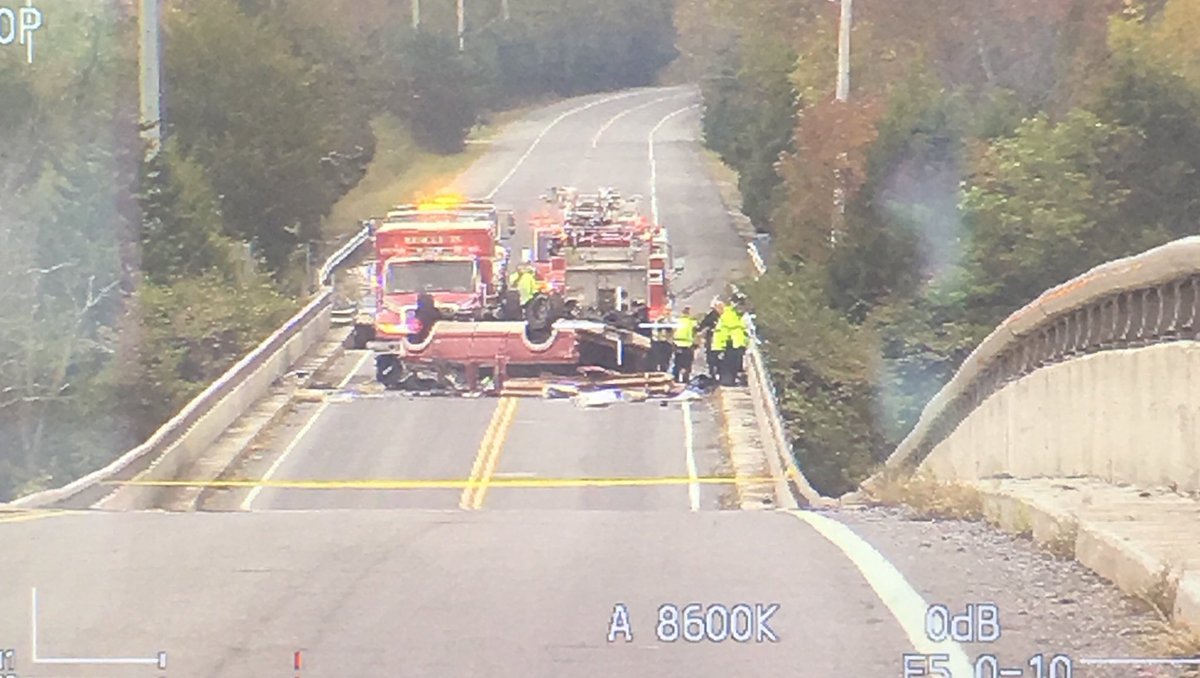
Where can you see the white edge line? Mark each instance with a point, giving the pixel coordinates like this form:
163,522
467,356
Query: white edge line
627,111
905,604
248,502
653,164
33,624
546,130
693,485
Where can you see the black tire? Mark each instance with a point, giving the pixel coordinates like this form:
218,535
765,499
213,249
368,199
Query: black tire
537,313
510,305
388,371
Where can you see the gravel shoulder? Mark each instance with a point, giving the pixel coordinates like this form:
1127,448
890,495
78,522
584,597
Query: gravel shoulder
1048,606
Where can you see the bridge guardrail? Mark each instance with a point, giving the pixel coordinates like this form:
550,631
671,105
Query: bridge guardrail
1149,298
762,389
342,254
215,408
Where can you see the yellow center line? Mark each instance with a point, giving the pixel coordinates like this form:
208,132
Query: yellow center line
467,501
493,459
474,483
32,515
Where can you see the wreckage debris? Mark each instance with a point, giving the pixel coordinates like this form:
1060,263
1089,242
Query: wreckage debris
635,387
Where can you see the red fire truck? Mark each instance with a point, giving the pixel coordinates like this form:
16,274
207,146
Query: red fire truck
601,255
445,320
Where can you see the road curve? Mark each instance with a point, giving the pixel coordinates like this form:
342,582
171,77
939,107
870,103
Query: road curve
602,140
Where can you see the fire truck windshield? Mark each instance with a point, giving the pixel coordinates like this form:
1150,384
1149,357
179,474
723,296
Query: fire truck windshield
430,276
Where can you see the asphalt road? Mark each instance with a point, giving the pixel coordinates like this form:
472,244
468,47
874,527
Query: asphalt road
384,582
603,140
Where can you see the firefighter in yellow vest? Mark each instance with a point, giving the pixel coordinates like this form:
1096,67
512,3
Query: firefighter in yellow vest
730,339
685,345
525,281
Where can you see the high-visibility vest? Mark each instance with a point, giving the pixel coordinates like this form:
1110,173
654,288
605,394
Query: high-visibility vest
685,333
730,331
526,286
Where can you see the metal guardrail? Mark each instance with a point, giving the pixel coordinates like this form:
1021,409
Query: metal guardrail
344,252
1150,298
764,386
161,441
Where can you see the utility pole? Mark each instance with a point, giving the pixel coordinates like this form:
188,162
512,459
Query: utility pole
843,95
416,15
150,89
504,10
843,82
462,24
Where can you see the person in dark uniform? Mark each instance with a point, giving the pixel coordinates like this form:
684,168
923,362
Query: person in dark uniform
426,315
708,326
641,314
660,351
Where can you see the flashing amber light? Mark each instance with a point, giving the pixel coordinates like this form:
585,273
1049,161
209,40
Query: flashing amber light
441,202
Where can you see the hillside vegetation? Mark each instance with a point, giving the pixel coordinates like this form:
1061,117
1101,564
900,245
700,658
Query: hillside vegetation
988,150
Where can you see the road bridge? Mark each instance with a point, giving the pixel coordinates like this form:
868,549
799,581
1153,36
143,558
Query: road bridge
474,568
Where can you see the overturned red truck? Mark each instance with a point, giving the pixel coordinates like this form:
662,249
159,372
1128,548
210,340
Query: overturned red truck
445,320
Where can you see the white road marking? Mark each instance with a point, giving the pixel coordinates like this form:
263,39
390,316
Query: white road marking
627,111
653,165
693,486
546,130
255,491
689,447
905,604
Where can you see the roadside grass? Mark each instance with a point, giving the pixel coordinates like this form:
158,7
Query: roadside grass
925,496
401,171
726,180
1165,637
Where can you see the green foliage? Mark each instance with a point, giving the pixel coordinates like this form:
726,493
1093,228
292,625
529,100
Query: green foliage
921,342
571,47
903,227
1042,207
259,120
820,369
1161,171
748,117
444,106
64,226
193,329
181,220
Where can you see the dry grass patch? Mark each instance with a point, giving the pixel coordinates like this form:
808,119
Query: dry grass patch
927,497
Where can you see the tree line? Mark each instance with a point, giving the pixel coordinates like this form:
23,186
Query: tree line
987,152
127,285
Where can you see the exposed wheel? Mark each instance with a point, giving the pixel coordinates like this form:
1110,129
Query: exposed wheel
388,371
537,313
510,305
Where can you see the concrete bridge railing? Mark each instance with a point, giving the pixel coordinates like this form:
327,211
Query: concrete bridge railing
1097,377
